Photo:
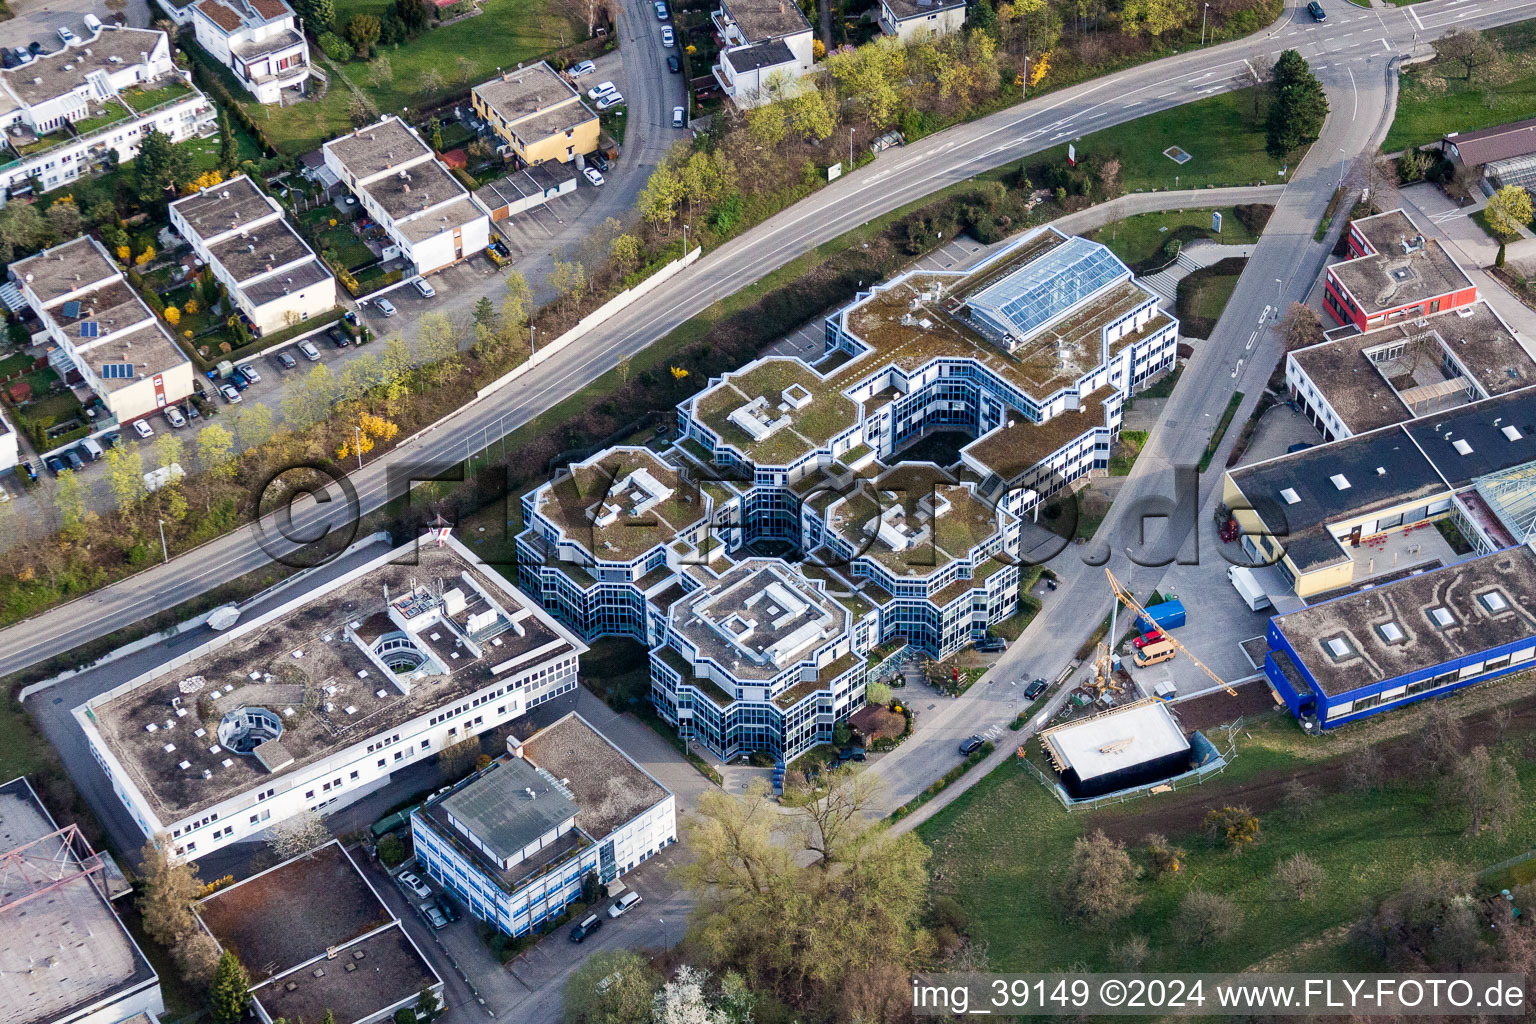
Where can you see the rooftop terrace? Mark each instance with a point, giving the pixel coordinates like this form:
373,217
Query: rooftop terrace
306,671
766,19
55,73
1416,623
914,519
621,504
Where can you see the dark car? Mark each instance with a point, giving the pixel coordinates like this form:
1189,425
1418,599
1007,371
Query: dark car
338,337
1316,10
238,381
989,644
9,59
110,439
673,64
446,906
971,745
285,360
55,464
1034,689
581,931
1299,446
191,411
599,161
34,47
72,457
857,754
845,755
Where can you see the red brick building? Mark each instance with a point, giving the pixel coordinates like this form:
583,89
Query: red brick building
1393,273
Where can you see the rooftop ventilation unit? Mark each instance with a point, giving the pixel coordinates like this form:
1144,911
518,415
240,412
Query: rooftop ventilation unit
1441,618
1290,496
1494,601
1338,647
1390,632
1340,481
1512,433
1461,446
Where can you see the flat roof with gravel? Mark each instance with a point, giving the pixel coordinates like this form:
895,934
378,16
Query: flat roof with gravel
609,788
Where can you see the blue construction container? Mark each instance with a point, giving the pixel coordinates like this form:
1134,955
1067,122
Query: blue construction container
1165,616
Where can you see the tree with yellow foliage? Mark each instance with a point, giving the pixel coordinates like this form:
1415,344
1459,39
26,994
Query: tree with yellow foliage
172,315
145,256
1039,68
678,373
124,254
189,307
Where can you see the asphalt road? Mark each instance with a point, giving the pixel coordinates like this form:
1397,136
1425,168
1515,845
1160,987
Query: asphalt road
1351,55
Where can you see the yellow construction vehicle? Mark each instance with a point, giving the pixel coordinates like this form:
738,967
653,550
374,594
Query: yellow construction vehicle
1125,597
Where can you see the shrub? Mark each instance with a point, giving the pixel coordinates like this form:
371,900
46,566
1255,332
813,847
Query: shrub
335,47
1237,828
1254,216
391,851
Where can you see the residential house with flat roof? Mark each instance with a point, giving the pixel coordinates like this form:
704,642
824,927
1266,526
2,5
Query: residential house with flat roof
1407,370
258,40
909,19
765,49
537,113
101,331
80,108
320,700
1393,273
515,840
65,956
424,209
1422,636
271,274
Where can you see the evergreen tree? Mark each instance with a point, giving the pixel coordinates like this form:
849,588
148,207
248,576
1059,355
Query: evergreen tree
1297,106
230,995
322,16
166,891
161,168
229,151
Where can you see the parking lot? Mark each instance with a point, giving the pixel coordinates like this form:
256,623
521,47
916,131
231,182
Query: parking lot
40,20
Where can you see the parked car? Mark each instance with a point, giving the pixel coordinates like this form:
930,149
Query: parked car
446,905
338,337
988,644
426,290
230,392
1035,689
413,885
582,69
174,417
613,99
248,371
599,161
970,746
55,464
673,64
661,11
111,439
434,916
1316,10
679,117
386,307
587,926
1151,637
626,903
9,59
68,37
600,90
143,429
667,38
310,352
92,23
285,361
35,48
91,450
72,457
191,411
593,175
1299,446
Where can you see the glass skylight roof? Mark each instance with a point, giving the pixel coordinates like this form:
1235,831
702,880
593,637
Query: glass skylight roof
1039,292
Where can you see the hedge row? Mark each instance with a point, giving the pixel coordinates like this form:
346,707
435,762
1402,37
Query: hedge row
208,74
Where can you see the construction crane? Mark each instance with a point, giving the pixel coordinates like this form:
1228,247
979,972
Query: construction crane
1124,596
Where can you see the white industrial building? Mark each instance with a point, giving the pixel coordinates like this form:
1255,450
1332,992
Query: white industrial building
65,957
515,840
424,209
258,41
270,273
75,109
319,701
102,330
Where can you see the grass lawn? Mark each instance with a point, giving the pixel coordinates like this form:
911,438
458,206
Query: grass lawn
1002,847
1210,295
1480,218
1222,135
1436,99
1140,238
205,152
147,99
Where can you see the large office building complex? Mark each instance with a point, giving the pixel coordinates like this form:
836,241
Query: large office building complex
515,840
270,273
320,700
1030,354
102,331
71,111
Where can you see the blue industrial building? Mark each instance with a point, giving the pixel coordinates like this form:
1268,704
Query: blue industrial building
1422,636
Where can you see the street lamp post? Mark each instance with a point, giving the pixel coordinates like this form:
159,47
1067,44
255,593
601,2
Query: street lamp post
165,552
1278,283
357,434
531,329
1203,15
1024,92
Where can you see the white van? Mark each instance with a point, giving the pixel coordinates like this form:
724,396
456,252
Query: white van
1246,582
92,449
93,23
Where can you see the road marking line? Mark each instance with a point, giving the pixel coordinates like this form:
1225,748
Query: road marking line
1385,46
1415,16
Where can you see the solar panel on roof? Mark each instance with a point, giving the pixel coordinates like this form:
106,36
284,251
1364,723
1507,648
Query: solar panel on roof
71,309
1048,287
89,329
116,371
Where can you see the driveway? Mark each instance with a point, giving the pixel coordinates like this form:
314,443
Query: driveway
40,20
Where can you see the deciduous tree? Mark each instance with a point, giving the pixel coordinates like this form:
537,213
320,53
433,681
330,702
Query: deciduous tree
160,168
1508,210
1300,327
125,474
167,889
1100,881
362,32
1468,48
216,451
611,988
1299,877
297,835
1489,789
1206,917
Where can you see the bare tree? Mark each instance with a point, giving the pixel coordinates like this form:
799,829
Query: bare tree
1363,772
1442,737
1299,876
1130,954
1490,790
1300,800
827,825
1206,917
457,758
1100,880
1301,327
298,835
1469,48
197,957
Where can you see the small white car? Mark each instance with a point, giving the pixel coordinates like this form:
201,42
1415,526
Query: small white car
174,417
667,38
310,352
593,175
68,37
426,290
613,99
679,117
661,11
597,92
143,429
386,307
230,392
581,70
414,885
626,903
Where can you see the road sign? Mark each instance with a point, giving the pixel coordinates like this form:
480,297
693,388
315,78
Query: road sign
1216,221
1071,154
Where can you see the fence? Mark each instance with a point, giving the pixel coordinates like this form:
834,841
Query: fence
1193,777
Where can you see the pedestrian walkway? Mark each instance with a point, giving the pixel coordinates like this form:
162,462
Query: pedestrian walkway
1197,255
